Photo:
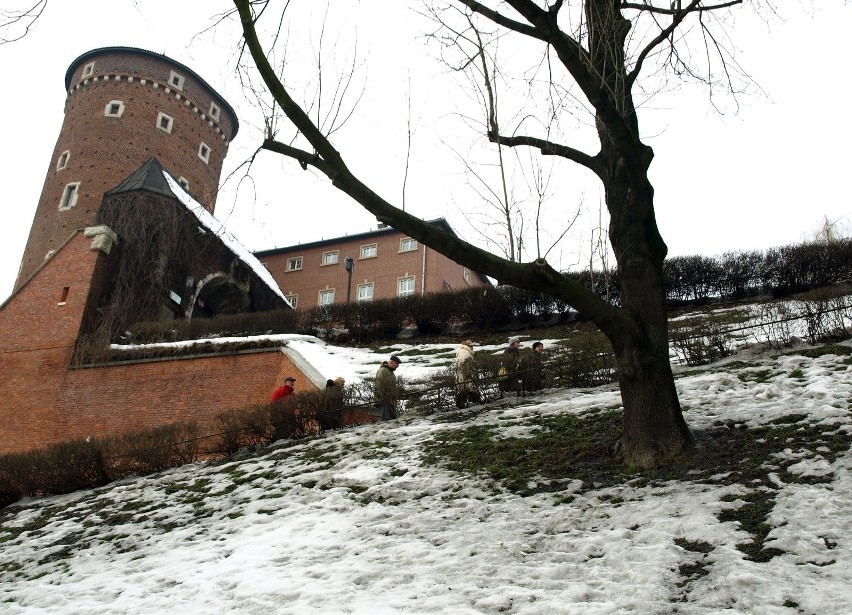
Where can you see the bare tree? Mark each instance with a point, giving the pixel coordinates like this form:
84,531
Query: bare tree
595,50
15,24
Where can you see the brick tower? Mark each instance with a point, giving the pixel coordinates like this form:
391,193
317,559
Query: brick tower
124,106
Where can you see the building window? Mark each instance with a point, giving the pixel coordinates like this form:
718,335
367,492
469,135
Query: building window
330,258
365,292
294,264
63,298
326,297
88,70
176,80
165,122
204,152
69,196
466,275
369,251
214,111
63,160
293,300
405,286
114,108
184,183
407,244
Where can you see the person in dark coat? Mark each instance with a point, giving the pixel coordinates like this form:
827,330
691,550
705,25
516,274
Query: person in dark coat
331,413
509,381
386,392
532,369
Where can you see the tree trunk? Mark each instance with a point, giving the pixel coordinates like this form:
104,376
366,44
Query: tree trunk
654,428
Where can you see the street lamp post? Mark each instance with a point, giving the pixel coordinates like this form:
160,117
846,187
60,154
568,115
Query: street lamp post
349,264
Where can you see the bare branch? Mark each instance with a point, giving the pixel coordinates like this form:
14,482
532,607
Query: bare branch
25,19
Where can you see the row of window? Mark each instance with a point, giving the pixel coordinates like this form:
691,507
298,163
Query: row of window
370,250
364,292
115,108
176,81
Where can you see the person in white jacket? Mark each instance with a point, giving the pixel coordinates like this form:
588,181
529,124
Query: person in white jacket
466,390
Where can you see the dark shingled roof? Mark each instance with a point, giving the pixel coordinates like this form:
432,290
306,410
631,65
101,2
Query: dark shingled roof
149,177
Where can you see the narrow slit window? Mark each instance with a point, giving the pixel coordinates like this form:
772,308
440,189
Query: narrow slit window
204,152
69,196
214,111
63,160
63,297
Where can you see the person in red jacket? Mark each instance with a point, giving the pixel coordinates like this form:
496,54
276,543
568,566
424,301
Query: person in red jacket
285,390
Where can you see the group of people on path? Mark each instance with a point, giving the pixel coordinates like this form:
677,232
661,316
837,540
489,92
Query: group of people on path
516,374
385,392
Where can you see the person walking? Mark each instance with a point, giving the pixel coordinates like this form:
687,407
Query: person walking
386,389
533,368
285,390
331,414
509,380
465,387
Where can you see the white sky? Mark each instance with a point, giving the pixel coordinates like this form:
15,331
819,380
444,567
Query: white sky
763,178
355,522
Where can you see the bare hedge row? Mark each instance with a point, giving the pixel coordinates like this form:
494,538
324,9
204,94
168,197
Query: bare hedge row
690,280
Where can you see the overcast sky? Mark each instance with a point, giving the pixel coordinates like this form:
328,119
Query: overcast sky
761,178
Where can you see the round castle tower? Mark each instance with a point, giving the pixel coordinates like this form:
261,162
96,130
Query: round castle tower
124,106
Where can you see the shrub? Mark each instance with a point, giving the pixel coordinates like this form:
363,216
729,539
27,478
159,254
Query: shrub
153,450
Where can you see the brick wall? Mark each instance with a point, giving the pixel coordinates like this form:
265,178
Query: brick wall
103,151
43,401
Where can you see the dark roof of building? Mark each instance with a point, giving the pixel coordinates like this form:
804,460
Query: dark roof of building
439,222
144,52
149,177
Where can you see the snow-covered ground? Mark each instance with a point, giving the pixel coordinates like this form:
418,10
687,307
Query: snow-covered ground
356,521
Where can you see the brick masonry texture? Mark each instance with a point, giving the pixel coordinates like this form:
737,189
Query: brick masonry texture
44,401
104,150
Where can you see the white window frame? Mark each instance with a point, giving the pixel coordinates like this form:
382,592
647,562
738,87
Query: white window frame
405,280
88,70
407,244
293,300
168,120
332,257
369,247
109,112
323,296
62,162
294,263
184,183
204,152
466,275
365,295
214,111
176,80
69,196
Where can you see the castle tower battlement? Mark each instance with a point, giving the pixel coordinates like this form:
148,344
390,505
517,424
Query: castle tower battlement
124,106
